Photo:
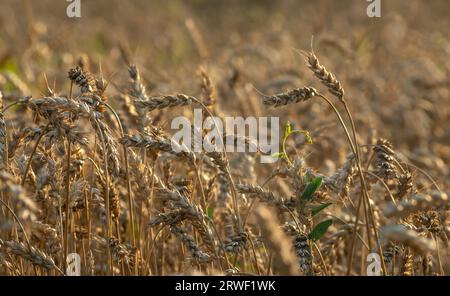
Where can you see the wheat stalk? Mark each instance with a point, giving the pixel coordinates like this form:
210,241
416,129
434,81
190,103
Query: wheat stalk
326,77
166,101
419,202
293,96
266,196
408,237
284,259
35,256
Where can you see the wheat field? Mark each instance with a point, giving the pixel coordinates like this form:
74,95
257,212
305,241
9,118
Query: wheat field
88,165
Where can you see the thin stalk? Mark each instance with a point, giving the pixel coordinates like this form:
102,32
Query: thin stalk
363,182
11,105
202,191
254,255
384,185
325,269
220,244
106,193
393,259
233,186
24,177
66,226
129,192
86,213
426,175
253,203
269,266
363,193
148,204
67,192
441,269
17,220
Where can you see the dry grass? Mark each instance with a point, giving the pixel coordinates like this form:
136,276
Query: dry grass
88,166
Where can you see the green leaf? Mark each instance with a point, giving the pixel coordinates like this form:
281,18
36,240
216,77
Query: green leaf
318,209
320,230
307,177
287,129
311,188
210,212
281,155
308,138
